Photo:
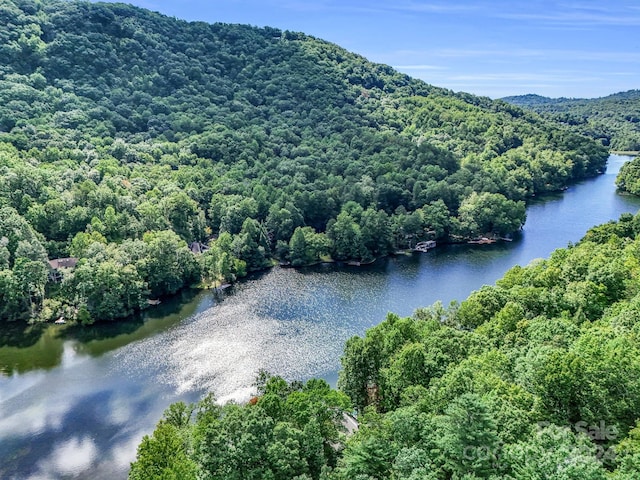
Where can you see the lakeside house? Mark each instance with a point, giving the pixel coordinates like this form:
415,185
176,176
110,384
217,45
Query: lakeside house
55,275
198,247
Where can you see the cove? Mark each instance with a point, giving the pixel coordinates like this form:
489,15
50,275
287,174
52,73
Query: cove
74,403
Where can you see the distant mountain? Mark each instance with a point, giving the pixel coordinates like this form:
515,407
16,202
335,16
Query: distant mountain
613,120
531,100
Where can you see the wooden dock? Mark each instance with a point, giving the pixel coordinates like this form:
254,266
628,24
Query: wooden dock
424,246
482,241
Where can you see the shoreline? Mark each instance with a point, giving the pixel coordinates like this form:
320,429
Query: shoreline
481,240
625,153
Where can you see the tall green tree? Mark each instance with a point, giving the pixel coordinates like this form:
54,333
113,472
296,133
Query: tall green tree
168,264
251,245
346,237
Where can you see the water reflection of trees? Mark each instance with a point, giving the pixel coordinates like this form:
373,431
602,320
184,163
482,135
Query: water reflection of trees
19,335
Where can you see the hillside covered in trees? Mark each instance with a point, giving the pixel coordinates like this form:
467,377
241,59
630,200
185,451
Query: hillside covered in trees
613,120
126,136
536,377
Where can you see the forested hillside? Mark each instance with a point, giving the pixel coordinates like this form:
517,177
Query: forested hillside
612,120
536,378
125,136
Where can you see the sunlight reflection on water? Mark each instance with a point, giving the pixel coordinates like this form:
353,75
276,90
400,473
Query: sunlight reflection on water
281,322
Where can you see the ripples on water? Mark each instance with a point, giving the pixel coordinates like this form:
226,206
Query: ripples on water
285,322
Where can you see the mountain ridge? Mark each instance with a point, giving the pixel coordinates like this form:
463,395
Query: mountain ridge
613,120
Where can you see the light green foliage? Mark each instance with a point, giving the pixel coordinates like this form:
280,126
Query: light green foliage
162,457
219,265
554,452
82,241
480,306
627,455
165,455
289,433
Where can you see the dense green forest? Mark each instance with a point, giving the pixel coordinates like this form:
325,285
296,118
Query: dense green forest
126,136
613,120
535,377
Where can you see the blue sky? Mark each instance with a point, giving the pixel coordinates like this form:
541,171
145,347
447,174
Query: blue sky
572,48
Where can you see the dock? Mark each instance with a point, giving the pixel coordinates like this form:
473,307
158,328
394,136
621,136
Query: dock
424,246
482,241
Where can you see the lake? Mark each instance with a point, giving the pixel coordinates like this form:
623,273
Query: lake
75,402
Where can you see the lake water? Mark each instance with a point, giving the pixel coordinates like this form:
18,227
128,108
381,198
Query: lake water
74,402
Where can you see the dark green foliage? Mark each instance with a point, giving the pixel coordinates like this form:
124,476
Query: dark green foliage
289,432
535,377
628,180
306,246
252,245
169,265
116,123
612,120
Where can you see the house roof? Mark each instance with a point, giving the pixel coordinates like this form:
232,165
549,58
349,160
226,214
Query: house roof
69,262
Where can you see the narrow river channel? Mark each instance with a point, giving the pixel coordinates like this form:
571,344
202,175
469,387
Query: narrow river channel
74,403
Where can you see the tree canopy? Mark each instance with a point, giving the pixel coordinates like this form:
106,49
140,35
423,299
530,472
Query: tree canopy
613,120
119,125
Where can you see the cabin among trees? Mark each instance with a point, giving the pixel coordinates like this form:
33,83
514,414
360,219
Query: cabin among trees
55,275
198,247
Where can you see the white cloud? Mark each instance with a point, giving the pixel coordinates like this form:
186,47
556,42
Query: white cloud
575,18
432,7
120,412
522,77
513,53
74,456
35,418
68,459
